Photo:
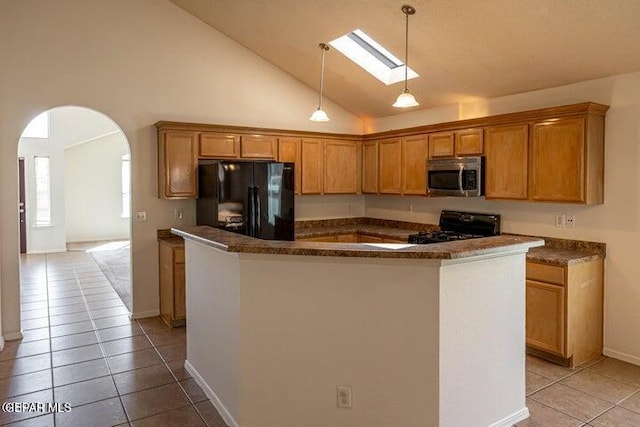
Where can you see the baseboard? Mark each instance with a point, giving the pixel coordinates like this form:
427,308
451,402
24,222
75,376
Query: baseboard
144,314
226,416
47,251
621,356
10,336
512,419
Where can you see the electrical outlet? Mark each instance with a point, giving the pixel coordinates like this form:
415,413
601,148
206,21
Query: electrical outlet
571,221
561,220
344,396
141,216
178,214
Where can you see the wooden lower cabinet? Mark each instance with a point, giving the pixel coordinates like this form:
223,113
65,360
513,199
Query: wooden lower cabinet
347,238
564,311
364,238
172,282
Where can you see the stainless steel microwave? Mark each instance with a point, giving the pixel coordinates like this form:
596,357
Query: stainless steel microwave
455,176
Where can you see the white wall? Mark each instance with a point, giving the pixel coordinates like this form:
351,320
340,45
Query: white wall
616,222
93,190
137,62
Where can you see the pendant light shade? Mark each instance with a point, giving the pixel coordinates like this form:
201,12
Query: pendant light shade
319,115
406,99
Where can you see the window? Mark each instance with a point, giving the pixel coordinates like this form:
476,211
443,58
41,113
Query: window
43,191
370,55
126,185
38,127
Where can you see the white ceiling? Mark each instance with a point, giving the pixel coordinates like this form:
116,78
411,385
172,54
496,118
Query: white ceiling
462,49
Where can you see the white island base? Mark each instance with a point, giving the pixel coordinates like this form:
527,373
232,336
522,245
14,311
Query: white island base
421,342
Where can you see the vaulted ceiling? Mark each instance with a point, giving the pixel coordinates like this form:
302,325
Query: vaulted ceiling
462,49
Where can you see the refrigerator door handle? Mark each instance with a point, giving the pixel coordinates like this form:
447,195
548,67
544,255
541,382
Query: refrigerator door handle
258,211
250,212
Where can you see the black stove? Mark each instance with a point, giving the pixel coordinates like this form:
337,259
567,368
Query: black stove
455,225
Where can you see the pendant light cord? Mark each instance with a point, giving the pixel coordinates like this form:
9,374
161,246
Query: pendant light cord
406,51
324,48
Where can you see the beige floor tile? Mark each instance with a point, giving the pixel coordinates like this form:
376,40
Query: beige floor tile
86,391
617,417
169,336
105,413
173,352
547,369
571,402
544,416
135,360
183,417
41,421
600,386
24,365
144,378
536,382
126,345
154,401
25,383
210,414
618,370
80,372
632,403
193,390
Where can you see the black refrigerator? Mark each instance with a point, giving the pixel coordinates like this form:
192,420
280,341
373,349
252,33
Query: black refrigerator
251,198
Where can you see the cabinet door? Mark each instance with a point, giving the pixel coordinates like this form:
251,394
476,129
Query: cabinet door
370,167
219,145
258,147
506,151
545,317
179,298
469,142
341,171
441,144
312,158
390,166
177,164
558,161
414,165
289,151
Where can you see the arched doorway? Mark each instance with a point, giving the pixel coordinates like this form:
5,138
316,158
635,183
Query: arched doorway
75,177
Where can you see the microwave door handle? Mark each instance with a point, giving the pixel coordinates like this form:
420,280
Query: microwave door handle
460,180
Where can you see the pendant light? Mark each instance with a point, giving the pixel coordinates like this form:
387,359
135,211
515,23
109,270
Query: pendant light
319,115
406,99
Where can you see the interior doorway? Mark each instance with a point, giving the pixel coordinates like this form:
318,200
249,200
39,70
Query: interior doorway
75,162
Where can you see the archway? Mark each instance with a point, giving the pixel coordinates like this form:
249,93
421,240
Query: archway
77,190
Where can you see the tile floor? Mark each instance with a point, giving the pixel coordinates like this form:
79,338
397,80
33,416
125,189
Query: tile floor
80,347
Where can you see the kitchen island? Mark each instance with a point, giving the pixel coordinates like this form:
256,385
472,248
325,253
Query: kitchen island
428,335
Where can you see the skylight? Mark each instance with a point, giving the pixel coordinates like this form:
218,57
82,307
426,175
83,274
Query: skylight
370,55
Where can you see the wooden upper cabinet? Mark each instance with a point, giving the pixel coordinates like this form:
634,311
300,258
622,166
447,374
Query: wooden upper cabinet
312,166
441,144
370,167
557,166
289,151
390,166
506,151
259,147
177,164
219,145
414,165
341,167
469,142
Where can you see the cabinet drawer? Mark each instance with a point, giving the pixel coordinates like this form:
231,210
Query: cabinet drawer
178,256
259,147
546,273
215,145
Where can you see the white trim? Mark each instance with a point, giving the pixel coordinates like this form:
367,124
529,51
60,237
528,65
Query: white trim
512,419
144,314
215,401
621,356
84,141
1,343
47,251
10,336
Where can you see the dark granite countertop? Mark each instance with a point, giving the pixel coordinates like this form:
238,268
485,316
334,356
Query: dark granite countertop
232,242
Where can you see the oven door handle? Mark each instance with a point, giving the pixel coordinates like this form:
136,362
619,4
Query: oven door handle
460,180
